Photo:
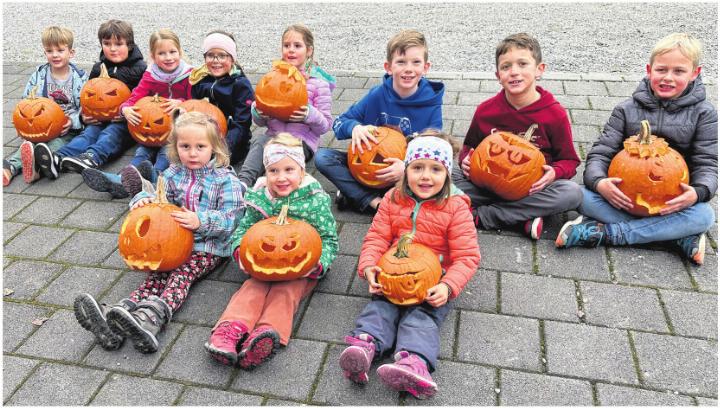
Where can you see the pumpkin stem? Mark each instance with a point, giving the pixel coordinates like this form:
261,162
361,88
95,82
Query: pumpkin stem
161,195
644,136
156,98
103,71
528,133
404,245
31,95
282,217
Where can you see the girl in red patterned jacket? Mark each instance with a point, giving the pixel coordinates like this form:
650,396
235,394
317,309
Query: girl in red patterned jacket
426,204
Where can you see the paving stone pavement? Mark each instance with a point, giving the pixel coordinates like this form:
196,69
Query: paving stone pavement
609,326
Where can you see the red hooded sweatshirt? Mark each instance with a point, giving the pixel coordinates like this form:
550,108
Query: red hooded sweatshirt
553,136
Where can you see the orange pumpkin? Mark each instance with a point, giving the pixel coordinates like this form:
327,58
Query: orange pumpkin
408,270
651,171
204,106
38,119
281,91
101,97
280,248
151,240
155,125
507,164
363,166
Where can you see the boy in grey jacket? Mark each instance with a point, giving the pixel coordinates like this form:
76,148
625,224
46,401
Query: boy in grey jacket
672,98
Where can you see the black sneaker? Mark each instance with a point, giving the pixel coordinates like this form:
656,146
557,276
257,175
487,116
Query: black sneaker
79,163
91,317
99,181
47,161
693,248
341,201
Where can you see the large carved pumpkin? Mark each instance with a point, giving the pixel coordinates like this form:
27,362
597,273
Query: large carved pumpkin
155,125
204,106
38,119
363,166
507,164
651,171
408,271
151,240
101,97
280,248
281,91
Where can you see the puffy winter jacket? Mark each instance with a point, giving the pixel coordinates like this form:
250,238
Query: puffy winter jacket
447,229
129,71
688,123
149,86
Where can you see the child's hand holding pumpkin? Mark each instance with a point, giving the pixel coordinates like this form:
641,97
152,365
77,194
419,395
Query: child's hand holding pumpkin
438,295
371,273
131,115
186,218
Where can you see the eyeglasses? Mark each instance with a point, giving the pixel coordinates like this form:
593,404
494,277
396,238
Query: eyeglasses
216,57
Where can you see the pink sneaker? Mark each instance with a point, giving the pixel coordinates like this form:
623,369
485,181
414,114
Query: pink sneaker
533,227
356,359
259,347
224,341
408,373
27,155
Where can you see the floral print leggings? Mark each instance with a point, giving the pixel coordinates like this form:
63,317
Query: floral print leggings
173,286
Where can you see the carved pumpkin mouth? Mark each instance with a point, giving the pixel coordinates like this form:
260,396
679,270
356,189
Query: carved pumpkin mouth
105,112
36,135
496,169
266,264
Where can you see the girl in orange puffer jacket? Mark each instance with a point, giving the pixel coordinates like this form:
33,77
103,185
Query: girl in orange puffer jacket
426,204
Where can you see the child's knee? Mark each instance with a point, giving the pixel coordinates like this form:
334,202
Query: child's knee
705,215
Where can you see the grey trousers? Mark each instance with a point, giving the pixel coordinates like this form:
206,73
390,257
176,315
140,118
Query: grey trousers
495,212
253,168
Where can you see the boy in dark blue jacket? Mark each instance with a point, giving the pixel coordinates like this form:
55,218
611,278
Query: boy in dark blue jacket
405,100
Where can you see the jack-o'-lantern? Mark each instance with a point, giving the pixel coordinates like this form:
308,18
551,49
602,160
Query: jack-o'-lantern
363,166
281,91
151,240
651,171
204,106
155,125
38,119
101,97
507,164
408,270
280,248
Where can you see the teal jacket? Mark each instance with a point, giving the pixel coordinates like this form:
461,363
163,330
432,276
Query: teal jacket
39,79
309,203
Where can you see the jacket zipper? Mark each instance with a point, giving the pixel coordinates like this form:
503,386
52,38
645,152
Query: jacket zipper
188,194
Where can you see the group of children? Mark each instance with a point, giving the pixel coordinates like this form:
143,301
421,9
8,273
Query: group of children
431,196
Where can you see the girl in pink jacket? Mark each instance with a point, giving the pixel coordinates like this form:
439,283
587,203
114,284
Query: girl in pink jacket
167,77
426,204
308,123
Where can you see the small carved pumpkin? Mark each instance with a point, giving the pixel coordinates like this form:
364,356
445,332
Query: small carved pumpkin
281,91
38,119
363,166
204,106
155,125
280,248
151,240
408,270
651,171
507,164
101,97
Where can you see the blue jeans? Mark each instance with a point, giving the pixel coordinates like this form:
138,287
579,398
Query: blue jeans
81,142
112,141
157,155
411,328
625,229
333,165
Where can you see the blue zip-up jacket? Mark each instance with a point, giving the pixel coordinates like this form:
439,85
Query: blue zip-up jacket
39,78
214,194
234,95
382,106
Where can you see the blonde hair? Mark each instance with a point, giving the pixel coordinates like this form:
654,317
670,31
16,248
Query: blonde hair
164,34
308,39
688,46
403,191
55,36
405,39
219,147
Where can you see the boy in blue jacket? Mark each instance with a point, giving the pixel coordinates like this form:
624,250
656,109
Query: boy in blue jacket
405,100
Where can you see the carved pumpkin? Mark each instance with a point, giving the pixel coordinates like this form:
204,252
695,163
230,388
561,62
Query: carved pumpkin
651,171
204,106
151,240
280,248
155,125
507,164
281,91
101,97
363,166
408,271
38,119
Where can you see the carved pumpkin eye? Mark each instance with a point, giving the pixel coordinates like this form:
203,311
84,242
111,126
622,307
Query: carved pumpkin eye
496,149
159,121
267,247
378,159
357,160
518,157
290,246
90,93
40,111
22,115
111,93
286,87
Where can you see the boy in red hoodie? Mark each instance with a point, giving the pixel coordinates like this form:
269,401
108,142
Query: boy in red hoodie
520,104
